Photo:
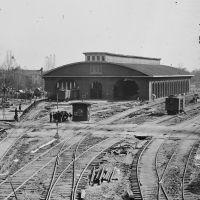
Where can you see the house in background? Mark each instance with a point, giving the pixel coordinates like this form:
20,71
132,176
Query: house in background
35,76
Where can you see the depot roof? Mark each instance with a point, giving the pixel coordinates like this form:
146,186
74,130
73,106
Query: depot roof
146,69
156,70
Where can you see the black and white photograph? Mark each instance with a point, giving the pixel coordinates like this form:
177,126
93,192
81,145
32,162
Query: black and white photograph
100,100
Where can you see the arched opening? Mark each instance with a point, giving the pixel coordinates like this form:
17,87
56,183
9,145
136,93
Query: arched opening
96,90
67,89
125,90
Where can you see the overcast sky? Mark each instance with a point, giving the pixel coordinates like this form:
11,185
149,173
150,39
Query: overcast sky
34,29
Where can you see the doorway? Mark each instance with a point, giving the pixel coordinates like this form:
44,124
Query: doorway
125,90
96,90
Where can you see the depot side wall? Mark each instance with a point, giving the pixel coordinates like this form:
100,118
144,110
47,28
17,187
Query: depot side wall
85,85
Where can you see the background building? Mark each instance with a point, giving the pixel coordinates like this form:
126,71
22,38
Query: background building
114,76
35,77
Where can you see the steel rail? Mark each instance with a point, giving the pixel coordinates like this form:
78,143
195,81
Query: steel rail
35,159
163,190
9,135
186,166
156,169
74,191
54,171
161,178
36,172
138,160
13,143
67,167
160,186
23,120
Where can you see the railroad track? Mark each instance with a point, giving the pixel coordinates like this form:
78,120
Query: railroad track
47,170
19,178
21,124
65,186
161,187
190,111
13,141
31,156
134,179
83,173
186,195
58,169
161,194
125,113
18,182
82,180
81,147
13,137
186,155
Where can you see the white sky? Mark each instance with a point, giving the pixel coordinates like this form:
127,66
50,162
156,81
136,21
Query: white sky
34,29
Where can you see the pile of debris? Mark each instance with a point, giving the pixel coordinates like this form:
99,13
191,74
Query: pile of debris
102,174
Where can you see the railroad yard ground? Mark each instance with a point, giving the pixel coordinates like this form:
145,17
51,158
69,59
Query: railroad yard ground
128,150
8,112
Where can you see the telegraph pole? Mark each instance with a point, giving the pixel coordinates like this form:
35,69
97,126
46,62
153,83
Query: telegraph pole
57,135
57,89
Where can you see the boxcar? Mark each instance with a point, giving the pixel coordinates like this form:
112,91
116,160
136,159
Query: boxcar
174,104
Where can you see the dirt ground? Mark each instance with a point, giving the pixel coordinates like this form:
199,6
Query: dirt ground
8,112
37,135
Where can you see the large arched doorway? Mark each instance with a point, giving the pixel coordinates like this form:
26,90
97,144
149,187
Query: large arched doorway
125,90
96,90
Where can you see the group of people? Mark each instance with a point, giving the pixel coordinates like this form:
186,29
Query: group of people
59,116
194,99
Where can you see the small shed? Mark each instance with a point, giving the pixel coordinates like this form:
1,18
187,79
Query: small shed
81,111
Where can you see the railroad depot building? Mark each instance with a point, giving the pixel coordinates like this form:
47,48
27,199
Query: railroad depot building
113,76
